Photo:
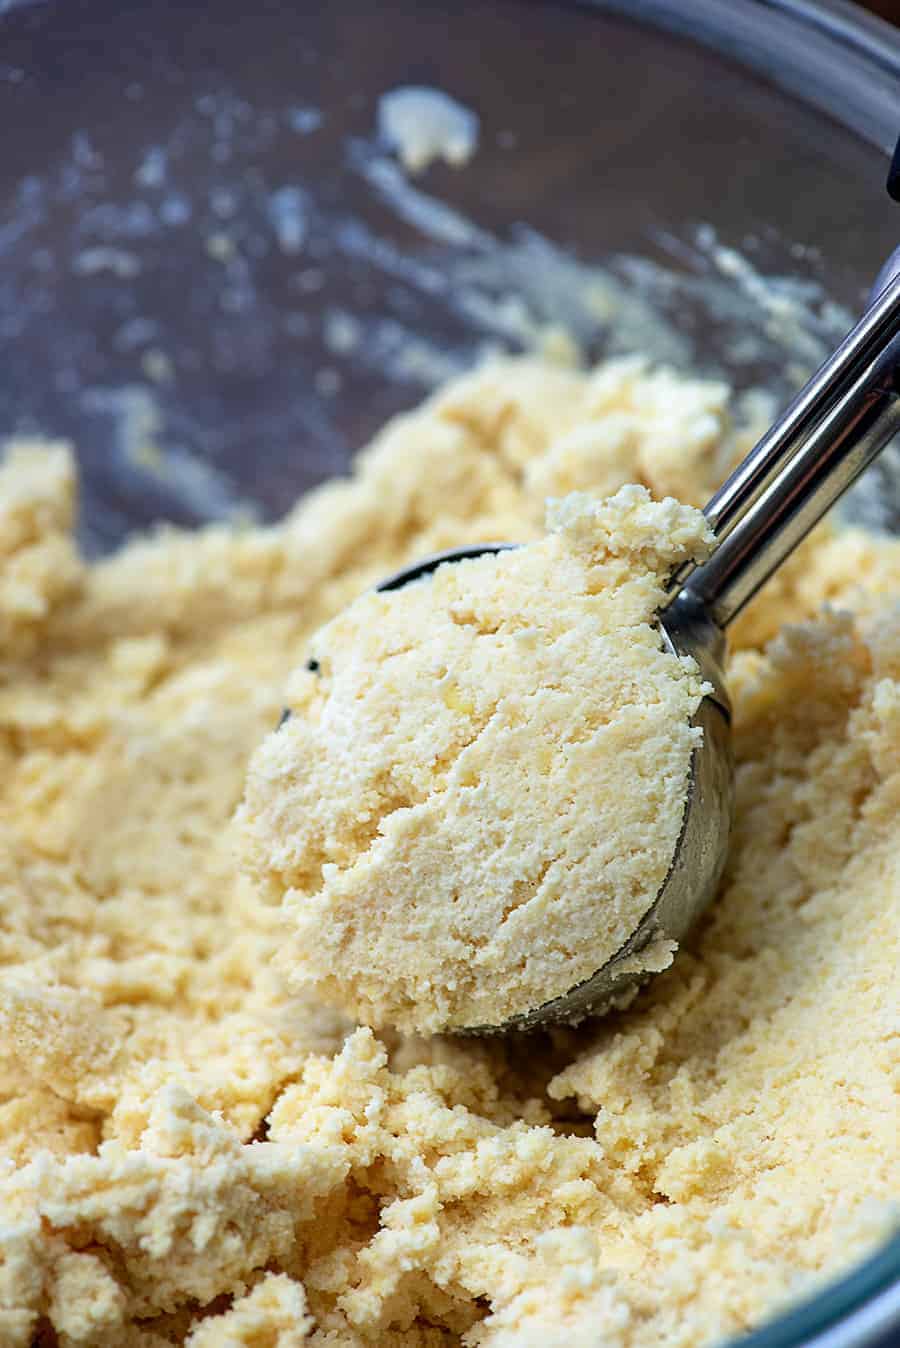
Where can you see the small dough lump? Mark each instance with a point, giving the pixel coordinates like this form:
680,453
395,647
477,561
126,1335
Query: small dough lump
480,790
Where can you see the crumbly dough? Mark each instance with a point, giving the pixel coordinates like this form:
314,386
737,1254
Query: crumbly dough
193,1153
480,789
423,125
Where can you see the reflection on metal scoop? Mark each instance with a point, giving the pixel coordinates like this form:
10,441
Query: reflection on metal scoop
833,430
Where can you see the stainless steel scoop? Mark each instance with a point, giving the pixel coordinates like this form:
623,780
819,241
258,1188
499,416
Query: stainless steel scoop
832,431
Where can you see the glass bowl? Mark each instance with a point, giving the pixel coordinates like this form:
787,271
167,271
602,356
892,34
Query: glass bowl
217,282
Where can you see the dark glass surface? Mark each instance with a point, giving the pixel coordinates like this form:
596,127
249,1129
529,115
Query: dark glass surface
108,255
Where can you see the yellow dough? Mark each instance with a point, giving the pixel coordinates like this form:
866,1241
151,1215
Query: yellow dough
481,788
193,1152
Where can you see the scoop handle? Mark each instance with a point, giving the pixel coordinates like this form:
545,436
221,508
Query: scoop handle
835,427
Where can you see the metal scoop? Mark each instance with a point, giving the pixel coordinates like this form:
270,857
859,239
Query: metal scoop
832,431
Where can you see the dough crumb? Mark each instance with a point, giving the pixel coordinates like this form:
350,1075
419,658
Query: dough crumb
39,565
422,125
273,1315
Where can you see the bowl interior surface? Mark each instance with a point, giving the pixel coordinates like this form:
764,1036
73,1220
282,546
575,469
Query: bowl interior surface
217,282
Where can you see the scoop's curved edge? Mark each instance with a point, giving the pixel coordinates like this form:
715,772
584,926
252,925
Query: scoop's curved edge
408,574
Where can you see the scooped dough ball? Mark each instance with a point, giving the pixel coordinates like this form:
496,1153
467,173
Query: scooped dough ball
481,786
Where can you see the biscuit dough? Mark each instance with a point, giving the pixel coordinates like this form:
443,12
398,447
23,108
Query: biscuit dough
423,125
482,785
193,1153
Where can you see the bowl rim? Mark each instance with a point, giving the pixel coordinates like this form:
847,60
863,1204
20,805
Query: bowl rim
844,62
830,53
